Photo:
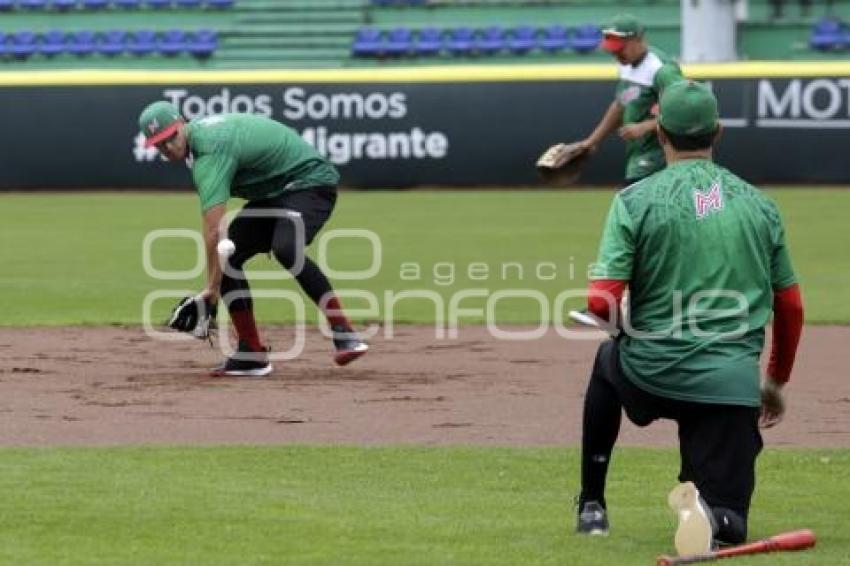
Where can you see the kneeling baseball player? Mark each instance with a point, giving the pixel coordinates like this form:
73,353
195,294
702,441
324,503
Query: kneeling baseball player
291,192
704,256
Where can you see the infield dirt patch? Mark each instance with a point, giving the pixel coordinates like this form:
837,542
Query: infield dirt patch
105,386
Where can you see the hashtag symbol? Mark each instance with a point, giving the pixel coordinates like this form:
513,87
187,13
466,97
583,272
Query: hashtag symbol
142,153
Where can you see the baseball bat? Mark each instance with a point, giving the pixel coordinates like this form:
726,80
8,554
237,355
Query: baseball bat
794,540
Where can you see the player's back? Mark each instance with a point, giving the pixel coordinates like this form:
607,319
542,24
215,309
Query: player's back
701,287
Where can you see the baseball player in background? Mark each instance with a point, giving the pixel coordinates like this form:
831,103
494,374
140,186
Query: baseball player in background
269,165
703,254
643,73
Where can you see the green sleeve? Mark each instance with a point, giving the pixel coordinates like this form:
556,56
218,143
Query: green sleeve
781,272
213,175
667,75
617,248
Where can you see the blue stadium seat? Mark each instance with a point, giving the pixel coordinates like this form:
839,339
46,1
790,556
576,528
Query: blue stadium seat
4,49
188,3
491,40
827,34
202,43
586,38
95,4
81,42
172,42
6,5
399,42
127,4
158,4
367,43
522,39
220,4
23,44
555,38
63,5
33,4
112,42
141,42
460,41
52,43
429,41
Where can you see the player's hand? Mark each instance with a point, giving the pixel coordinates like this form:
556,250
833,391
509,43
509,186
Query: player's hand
587,145
772,403
209,295
633,131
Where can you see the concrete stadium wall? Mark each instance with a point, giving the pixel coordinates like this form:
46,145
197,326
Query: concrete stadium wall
402,127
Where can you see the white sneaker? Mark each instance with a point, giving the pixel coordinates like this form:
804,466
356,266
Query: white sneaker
695,534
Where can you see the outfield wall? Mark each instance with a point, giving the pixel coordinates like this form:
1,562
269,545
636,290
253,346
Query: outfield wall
400,127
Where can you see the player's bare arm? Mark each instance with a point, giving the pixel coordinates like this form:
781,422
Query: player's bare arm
212,222
637,130
610,122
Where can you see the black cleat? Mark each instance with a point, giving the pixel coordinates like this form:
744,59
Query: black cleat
244,363
592,519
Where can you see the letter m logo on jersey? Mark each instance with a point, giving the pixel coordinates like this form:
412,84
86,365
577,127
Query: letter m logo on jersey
705,203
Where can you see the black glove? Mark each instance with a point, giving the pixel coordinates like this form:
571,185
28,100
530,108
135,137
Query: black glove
195,316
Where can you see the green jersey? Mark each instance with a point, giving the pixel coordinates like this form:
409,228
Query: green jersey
638,90
252,157
702,251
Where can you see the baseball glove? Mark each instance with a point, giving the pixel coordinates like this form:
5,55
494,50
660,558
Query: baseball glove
195,316
562,163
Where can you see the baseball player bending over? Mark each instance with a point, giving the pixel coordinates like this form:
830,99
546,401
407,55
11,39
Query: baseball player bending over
644,72
704,256
270,166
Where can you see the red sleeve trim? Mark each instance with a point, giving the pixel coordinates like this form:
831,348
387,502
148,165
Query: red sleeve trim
787,327
603,295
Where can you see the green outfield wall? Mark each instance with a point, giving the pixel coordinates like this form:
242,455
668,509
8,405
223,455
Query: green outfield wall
403,127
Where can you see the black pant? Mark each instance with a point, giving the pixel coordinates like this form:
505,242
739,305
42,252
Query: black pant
718,444
294,220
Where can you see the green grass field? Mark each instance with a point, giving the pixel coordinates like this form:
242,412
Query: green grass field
352,505
88,268
371,506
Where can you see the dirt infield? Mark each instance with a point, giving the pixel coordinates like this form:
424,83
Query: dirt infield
105,386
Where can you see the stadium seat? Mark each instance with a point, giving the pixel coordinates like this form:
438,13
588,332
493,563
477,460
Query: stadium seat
4,49
429,41
586,38
188,3
158,4
63,5
112,43
127,4
81,43
399,42
141,42
52,43
23,44
491,40
827,35
555,38
172,42
33,4
220,4
95,4
367,43
6,5
202,43
460,41
522,39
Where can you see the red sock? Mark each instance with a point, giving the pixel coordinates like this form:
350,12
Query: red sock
246,329
334,314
